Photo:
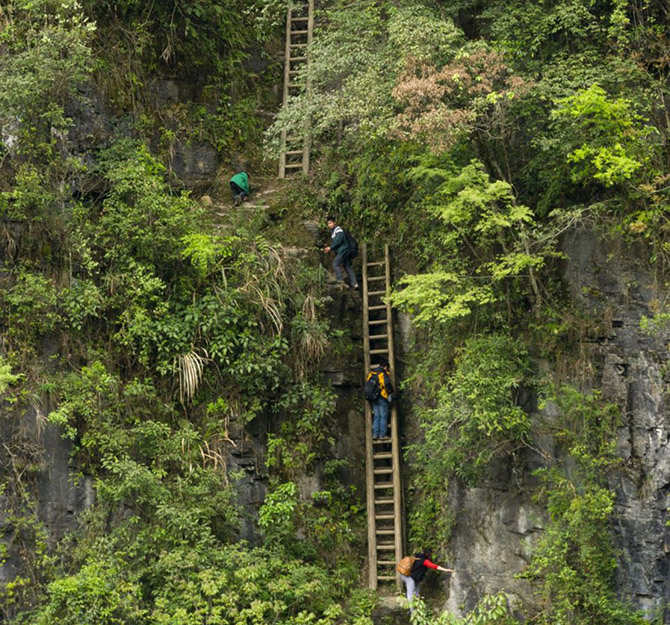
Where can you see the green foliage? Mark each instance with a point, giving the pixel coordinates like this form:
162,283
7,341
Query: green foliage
32,307
475,419
6,376
491,610
241,586
538,32
300,439
612,142
138,219
476,416
95,594
361,52
484,240
220,585
276,516
190,34
326,527
153,308
47,57
471,136
201,250
205,43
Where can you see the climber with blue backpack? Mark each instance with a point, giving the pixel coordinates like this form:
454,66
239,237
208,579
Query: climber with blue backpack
378,391
345,248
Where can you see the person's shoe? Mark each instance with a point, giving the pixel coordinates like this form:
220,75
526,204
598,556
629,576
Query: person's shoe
354,288
237,200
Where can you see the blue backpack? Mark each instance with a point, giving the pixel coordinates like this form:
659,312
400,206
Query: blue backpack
352,244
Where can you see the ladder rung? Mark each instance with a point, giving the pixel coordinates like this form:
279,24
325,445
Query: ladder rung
384,517
377,292
385,532
379,307
293,85
382,502
379,351
386,578
376,322
384,471
298,45
293,164
384,485
383,456
297,58
295,19
376,337
376,278
385,547
386,562
299,32
294,71
378,263
293,152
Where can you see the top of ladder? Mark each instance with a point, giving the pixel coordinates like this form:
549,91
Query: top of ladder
299,32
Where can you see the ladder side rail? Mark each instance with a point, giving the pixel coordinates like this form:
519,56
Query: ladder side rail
287,78
369,461
395,440
306,146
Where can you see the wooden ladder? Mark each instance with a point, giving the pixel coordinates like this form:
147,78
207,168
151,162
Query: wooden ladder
294,151
384,489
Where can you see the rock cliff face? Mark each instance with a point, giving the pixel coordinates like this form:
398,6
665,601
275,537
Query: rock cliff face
631,369
496,524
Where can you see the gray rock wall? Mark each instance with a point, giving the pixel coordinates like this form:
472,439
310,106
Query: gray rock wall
631,369
498,524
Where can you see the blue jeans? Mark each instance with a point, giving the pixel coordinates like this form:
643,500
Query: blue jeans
340,261
380,416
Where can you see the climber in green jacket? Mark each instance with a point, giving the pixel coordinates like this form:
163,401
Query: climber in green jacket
239,185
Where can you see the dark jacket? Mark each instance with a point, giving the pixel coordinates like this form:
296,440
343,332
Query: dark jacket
338,241
419,569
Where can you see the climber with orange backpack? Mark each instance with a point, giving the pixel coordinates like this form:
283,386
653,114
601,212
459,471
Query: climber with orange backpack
413,569
378,391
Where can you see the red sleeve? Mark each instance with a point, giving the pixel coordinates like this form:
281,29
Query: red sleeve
429,564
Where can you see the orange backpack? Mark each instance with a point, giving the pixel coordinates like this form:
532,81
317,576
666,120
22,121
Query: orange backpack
404,567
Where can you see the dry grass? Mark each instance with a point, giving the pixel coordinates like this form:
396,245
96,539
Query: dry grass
190,367
267,282
313,342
